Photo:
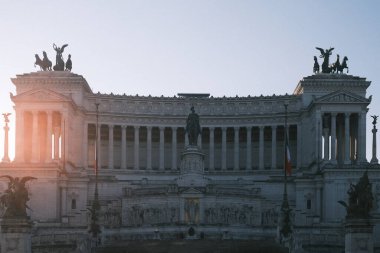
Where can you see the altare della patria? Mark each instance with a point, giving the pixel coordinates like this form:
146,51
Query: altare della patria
97,172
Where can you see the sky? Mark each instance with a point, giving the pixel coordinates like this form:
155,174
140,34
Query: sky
165,47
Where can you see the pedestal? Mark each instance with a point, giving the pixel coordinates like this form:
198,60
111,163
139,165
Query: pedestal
16,235
192,168
359,236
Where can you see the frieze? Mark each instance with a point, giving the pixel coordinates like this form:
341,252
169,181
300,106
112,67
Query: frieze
233,214
153,214
210,107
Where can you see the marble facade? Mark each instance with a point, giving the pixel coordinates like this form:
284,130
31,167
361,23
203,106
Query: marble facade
150,182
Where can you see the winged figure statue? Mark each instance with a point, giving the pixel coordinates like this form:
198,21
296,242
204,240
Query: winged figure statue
15,197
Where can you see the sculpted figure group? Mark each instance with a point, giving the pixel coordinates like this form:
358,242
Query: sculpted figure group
360,199
46,65
15,197
336,67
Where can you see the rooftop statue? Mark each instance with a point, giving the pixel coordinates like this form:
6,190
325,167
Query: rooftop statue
45,63
325,54
15,197
360,199
316,65
69,64
193,129
59,63
374,120
338,67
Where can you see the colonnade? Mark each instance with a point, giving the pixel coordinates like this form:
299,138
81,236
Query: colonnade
39,136
159,147
342,136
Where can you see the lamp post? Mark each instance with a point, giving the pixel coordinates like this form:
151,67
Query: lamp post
94,210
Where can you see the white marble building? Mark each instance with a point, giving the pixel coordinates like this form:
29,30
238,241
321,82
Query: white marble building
146,191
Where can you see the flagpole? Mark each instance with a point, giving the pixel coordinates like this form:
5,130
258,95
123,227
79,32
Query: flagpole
95,227
285,228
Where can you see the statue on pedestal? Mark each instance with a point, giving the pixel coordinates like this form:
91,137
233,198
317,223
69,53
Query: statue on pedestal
15,197
193,129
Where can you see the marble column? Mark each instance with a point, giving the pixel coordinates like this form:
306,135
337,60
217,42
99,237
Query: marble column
149,148
6,129
333,137
362,137
49,127
64,136
56,130
99,146
199,140
299,144
224,148
318,134
212,149
261,148
35,141
347,138
85,145
326,150
110,146
186,139
274,147
162,148
236,149
137,147
174,148
20,153
123,147
249,149
374,159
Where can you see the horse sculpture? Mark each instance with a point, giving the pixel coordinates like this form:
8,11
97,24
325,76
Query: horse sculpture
316,65
45,64
338,67
343,65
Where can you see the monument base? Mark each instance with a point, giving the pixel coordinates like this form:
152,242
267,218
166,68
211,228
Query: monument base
359,236
16,235
192,168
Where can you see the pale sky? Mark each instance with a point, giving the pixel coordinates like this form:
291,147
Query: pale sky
165,47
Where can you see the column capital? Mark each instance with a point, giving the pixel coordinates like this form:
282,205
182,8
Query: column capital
249,128
149,128
111,126
274,127
333,114
211,128
136,127
162,128
261,127
174,128
347,114
224,129
123,126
